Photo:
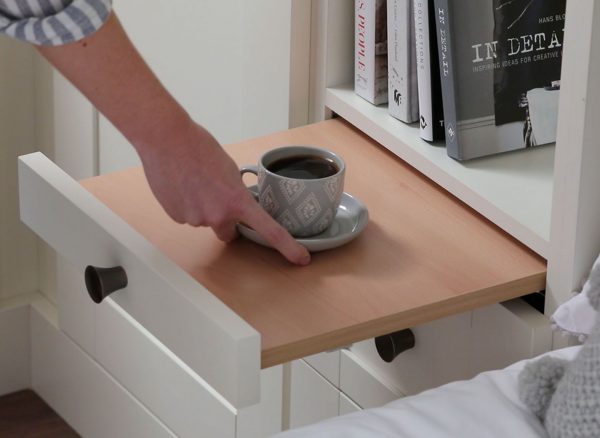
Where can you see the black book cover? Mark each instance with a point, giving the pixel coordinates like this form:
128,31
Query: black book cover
431,113
500,68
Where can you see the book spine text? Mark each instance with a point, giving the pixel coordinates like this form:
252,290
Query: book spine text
370,65
402,70
444,34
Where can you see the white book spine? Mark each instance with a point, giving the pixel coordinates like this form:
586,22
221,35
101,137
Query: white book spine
370,79
403,102
421,13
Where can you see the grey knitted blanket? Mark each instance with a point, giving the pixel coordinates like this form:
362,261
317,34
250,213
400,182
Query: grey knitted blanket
566,395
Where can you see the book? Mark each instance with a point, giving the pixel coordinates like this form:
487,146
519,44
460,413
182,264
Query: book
500,67
431,113
403,94
370,65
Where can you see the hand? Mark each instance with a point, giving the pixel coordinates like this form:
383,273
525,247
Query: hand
197,183
189,173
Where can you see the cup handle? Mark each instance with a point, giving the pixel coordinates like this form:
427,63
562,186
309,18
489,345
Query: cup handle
252,168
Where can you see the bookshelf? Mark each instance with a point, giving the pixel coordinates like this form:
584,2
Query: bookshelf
545,197
513,190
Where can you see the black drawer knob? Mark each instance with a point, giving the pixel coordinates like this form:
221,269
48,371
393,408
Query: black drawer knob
101,282
391,345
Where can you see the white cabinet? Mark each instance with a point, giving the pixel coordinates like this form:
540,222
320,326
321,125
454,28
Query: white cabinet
459,347
556,214
347,406
145,354
506,333
327,364
155,345
362,384
440,355
177,310
84,394
312,397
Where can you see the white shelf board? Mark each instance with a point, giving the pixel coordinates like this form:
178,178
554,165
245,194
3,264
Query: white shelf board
513,190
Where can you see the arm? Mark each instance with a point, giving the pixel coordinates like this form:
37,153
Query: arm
195,181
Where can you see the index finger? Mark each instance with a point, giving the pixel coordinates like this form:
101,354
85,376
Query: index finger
275,235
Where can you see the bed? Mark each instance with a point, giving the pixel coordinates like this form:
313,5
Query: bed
486,406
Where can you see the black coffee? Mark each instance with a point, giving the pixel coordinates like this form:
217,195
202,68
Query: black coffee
304,167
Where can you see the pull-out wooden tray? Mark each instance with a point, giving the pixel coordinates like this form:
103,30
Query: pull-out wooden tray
424,254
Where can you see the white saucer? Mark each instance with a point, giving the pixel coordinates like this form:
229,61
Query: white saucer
351,218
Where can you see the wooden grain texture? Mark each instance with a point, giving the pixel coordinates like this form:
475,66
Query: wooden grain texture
424,254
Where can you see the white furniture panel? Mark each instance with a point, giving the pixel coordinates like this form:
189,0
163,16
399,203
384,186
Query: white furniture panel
179,397
265,418
347,406
461,346
14,345
75,124
362,384
440,355
548,202
76,311
512,190
181,313
327,364
312,398
507,332
575,235
88,398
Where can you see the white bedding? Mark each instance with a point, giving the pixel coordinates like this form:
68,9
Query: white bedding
486,406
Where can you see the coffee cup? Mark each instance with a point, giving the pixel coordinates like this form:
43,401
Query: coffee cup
300,186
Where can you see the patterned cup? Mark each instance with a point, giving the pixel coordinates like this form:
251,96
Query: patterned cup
305,206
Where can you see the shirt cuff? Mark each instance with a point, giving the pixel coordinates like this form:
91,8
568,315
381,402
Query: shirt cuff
74,22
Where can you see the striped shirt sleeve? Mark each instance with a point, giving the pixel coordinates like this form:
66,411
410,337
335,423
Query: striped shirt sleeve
52,22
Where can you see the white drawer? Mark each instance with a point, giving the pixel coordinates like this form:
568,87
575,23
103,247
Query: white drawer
363,385
84,394
347,406
178,311
133,356
461,346
327,364
508,332
312,397
440,355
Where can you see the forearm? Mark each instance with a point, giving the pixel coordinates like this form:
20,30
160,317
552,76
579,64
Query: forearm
195,181
110,72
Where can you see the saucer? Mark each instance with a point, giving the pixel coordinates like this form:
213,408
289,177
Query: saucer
350,220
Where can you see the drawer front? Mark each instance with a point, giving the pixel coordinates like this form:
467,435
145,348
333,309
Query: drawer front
327,364
506,333
362,384
84,394
185,317
347,406
461,346
440,355
180,398
312,397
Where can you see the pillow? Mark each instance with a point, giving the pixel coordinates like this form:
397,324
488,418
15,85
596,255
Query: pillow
576,316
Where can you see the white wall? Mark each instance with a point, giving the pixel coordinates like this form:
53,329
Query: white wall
18,251
228,63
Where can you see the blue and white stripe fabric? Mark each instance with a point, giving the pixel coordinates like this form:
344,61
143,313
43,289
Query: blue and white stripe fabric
52,22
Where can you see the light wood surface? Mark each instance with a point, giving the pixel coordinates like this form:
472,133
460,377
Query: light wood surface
423,255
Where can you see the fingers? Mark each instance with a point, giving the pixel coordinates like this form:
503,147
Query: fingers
258,219
226,232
